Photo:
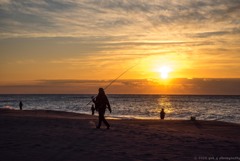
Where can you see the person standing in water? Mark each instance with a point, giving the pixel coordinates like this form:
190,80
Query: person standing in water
101,103
20,105
162,114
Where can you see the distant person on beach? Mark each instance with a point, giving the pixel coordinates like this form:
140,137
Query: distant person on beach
20,105
162,114
101,103
92,109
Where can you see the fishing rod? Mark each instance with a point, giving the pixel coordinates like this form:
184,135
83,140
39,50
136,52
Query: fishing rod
114,80
119,76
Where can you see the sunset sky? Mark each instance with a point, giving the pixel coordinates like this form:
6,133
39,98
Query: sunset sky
77,46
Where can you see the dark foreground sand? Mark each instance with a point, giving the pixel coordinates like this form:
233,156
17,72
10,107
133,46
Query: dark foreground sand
60,136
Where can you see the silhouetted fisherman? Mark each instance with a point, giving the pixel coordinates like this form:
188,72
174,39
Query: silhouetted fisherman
20,105
92,109
162,114
101,103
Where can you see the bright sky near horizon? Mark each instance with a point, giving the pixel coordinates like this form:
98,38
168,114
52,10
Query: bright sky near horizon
76,46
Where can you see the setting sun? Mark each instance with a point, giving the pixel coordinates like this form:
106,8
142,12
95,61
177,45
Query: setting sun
164,71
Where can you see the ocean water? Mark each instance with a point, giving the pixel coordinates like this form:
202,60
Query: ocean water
223,108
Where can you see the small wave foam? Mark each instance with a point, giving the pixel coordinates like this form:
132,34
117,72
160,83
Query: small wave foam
8,107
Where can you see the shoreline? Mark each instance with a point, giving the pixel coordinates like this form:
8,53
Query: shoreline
107,116
54,135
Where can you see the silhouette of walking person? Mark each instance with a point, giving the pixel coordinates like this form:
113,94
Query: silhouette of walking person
162,114
20,105
101,103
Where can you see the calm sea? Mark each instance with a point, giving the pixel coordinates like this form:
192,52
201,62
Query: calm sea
223,108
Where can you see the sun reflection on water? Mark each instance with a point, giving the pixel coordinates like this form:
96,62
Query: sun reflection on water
163,103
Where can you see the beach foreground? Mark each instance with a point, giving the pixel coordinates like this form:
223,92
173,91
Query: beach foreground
60,136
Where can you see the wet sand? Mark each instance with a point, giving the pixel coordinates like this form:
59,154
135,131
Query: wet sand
60,136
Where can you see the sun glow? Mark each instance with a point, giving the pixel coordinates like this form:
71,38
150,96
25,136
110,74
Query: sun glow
164,71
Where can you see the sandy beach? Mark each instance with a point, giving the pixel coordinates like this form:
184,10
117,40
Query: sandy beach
60,136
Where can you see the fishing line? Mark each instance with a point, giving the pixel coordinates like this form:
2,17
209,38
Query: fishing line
119,76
